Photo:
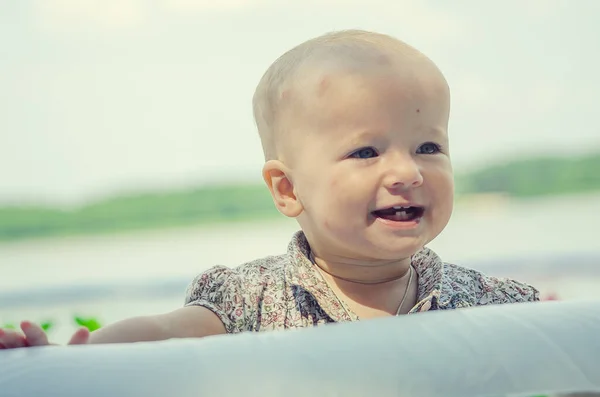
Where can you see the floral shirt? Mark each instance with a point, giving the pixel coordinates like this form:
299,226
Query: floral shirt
287,291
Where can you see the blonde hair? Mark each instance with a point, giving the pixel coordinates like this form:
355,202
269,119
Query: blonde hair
350,47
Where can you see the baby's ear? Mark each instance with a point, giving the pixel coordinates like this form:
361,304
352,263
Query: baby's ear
276,176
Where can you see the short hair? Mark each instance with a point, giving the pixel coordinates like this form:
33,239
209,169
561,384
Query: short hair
352,46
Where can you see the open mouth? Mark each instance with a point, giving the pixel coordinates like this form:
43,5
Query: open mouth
400,214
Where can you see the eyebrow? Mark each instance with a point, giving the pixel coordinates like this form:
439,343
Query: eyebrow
437,132
365,135
370,135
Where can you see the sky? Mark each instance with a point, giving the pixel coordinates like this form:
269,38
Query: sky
106,96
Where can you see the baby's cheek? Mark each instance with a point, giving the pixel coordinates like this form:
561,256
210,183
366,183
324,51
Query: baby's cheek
442,212
334,211
334,184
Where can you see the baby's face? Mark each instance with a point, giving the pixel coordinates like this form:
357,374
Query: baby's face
370,162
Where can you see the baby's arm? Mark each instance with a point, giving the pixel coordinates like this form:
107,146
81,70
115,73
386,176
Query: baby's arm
214,304
187,322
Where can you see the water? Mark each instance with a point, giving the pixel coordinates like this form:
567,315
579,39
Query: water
551,243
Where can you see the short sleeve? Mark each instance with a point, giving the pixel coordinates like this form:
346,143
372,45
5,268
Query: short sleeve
219,289
521,292
504,290
533,294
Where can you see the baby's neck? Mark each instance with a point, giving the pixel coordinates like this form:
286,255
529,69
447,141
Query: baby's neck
363,272
370,300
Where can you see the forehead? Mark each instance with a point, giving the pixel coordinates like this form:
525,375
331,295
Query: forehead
385,94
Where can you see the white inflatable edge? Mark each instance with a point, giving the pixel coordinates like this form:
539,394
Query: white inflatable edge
522,349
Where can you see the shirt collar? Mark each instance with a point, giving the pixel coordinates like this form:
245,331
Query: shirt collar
435,287
301,272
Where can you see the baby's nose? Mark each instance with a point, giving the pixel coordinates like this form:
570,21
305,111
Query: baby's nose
404,173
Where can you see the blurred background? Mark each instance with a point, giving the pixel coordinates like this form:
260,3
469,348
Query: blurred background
129,161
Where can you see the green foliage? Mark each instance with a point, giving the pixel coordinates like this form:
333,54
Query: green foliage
141,211
47,325
535,177
90,323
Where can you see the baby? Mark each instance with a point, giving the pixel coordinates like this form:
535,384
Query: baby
354,128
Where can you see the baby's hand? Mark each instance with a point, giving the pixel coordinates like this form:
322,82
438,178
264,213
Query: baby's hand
34,335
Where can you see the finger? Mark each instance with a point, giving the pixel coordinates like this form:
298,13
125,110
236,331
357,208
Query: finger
10,339
34,334
80,337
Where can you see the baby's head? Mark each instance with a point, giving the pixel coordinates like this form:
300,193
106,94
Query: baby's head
354,128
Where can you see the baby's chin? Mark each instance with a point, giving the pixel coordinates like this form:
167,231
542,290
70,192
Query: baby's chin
371,243
393,249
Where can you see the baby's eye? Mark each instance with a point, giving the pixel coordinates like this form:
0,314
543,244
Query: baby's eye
364,153
429,148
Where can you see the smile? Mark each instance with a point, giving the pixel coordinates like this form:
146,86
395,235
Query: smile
410,214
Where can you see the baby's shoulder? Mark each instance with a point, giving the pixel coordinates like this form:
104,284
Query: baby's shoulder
235,294
487,290
258,271
242,278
